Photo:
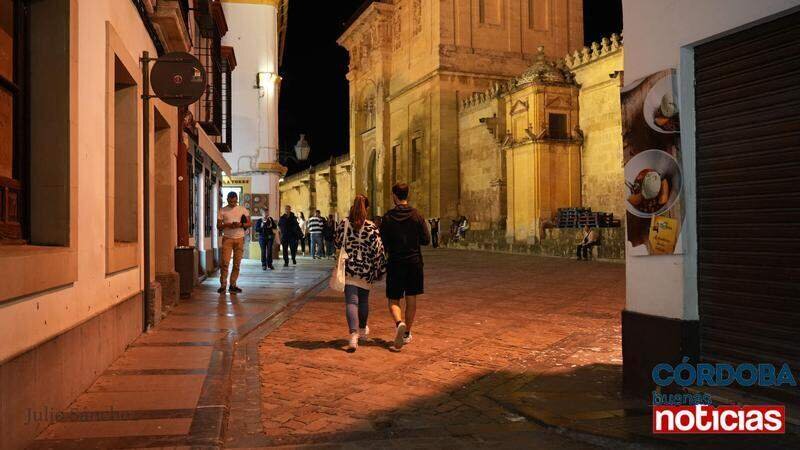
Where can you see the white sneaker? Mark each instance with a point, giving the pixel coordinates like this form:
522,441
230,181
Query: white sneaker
399,335
407,339
353,345
363,333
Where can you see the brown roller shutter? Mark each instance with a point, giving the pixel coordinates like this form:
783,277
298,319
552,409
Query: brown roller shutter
748,195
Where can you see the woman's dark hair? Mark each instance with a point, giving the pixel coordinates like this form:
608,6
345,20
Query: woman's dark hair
358,212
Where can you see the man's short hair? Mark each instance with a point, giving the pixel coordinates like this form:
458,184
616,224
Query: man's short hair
232,194
400,190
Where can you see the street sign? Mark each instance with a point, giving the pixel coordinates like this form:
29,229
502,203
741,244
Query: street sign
178,78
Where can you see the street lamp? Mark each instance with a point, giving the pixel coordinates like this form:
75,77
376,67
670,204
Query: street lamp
302,150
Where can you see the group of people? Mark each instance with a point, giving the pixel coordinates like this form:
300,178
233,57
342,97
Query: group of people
391,248
317,232
458,228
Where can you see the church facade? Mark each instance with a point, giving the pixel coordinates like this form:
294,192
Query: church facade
474,104
411,64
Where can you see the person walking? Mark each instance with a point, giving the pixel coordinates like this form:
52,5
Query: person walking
589,240
434,232
315,226
290,233
303,231
232,221
366,263
329,234
403,230
265,228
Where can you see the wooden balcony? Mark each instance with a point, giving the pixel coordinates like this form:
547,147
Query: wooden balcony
169,21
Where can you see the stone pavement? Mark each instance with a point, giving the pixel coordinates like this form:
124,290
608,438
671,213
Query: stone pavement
495,334
171,387
508,352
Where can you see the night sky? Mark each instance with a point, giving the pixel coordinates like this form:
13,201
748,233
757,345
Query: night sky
314,93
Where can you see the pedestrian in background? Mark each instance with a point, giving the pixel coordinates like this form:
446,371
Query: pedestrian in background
290,233
315,226
302,222
434,232
265,228
328,233
589,240
404,230
232,221
361,241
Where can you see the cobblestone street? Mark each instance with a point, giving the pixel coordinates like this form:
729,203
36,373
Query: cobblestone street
497,341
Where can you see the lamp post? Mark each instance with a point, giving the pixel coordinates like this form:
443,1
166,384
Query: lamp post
302,150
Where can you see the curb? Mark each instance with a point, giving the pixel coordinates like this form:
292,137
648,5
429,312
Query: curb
210,419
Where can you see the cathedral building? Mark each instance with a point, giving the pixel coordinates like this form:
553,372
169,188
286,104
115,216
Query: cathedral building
475,105
411,64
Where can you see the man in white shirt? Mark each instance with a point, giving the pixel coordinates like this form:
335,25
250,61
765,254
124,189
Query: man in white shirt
232,221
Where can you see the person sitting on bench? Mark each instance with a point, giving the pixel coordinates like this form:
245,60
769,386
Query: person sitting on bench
589,241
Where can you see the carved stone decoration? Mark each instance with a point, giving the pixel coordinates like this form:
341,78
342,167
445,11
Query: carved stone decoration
417,17
397,30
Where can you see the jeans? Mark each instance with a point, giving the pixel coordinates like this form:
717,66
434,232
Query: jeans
585,249
266,250
230,247
356,307
435,239
303,243
289,244
330,247
316,245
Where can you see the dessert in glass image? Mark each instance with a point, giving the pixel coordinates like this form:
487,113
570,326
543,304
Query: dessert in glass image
654,182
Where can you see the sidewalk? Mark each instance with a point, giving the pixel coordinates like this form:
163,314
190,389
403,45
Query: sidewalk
171,386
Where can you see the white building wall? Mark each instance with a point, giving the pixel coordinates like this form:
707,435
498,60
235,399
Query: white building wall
253,35
660,35
32,320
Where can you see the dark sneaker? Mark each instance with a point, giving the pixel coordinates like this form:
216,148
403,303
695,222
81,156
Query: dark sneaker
294,261
235,289
399,334
221,289
263,267
286,264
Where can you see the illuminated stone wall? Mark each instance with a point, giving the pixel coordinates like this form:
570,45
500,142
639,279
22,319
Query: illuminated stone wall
600,78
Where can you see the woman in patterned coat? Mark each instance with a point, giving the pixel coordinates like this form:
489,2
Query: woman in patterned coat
366,264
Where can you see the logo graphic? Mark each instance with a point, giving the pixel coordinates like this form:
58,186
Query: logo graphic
762,419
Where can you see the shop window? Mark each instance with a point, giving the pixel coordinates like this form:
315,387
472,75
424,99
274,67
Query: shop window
557,126
12,139
126,173
416,158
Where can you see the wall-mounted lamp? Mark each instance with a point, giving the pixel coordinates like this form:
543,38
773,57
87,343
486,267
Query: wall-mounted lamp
265,79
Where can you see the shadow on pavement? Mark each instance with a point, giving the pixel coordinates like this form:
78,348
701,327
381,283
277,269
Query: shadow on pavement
337,344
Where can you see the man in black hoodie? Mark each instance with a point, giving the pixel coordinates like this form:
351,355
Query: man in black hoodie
403,230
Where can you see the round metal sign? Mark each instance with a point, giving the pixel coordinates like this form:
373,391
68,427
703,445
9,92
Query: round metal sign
178,78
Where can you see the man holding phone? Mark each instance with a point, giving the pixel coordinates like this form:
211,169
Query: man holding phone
232,221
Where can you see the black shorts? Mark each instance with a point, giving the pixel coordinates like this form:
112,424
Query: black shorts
404,279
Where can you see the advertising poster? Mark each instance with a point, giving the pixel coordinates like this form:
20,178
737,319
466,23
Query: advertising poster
652,159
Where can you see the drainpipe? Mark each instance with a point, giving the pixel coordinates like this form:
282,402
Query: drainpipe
146,176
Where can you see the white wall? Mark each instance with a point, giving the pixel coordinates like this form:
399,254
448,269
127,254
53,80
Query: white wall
29,321
657,34
253,35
